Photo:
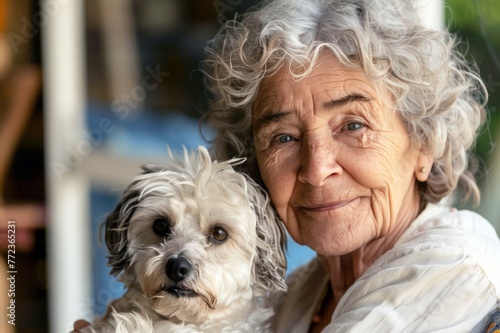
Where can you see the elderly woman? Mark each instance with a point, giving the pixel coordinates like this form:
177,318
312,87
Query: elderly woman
359,122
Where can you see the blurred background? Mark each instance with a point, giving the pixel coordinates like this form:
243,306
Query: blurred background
89,91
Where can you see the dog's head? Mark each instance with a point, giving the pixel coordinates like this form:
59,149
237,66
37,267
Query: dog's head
196,237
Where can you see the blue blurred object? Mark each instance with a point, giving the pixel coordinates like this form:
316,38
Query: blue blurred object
106,287
494,326
144,134
297,255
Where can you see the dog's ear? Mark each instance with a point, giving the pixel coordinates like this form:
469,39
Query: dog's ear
115,231
270,262
115,227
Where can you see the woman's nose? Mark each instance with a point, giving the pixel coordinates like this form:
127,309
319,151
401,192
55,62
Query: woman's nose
318,161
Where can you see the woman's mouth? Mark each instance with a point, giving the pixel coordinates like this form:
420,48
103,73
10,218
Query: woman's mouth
328,206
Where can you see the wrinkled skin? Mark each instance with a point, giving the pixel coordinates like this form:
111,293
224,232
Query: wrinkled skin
338,164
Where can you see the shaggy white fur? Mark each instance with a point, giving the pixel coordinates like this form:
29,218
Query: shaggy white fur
199,249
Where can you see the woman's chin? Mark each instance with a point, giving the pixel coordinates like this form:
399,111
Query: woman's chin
337,245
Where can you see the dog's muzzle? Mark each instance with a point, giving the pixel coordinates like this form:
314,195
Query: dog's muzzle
178,268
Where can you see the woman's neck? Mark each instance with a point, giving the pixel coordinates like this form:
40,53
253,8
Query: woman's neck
344,270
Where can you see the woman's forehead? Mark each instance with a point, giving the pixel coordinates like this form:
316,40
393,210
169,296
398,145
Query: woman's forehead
328,80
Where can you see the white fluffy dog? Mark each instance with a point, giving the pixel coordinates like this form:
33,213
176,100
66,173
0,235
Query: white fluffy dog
199,249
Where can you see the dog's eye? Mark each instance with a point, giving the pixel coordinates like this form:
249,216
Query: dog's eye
218,234
161,227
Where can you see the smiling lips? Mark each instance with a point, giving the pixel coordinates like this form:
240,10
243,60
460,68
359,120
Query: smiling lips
328,206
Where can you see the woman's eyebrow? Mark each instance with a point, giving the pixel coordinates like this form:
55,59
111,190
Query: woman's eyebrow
332,104
337,103
269,118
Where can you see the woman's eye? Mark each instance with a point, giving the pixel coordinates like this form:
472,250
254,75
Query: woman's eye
218,234
284,138
161,227
353,126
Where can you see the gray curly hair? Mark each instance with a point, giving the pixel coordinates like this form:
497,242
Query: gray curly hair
438,94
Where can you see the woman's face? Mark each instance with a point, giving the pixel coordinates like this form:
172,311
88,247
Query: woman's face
335,157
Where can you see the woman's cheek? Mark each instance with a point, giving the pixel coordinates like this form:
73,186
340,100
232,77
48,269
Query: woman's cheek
269,166
277,176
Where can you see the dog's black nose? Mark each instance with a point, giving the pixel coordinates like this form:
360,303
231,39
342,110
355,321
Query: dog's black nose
178,268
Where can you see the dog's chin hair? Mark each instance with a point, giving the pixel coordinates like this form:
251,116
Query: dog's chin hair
140,322
130,322
202,308
227,283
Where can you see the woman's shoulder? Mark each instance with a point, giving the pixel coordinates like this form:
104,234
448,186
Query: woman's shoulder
447,227
448,243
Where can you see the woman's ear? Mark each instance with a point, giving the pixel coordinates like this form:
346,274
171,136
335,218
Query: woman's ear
423,166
